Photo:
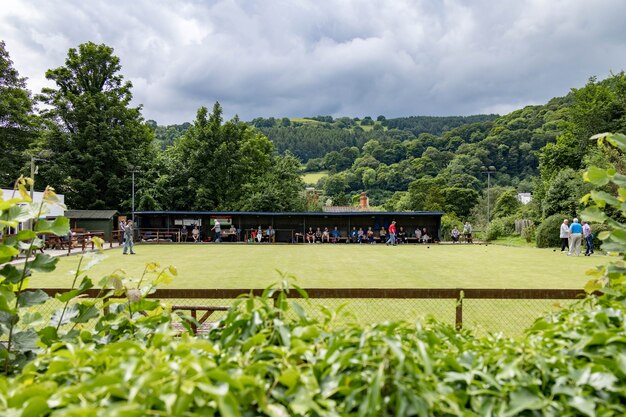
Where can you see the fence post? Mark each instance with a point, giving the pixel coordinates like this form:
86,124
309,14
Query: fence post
458,322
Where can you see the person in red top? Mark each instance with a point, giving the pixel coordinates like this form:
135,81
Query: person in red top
392,234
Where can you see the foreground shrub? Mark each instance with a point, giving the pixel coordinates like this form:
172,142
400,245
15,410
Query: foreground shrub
548,231
274,360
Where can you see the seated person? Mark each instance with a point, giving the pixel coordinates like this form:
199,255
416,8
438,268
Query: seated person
318,235
401,235
310,235
425,237
326,235
232,232
195,234
455,235
370,235
184,233
259,234
253,234
418,234
335,235
383,234
354,235
360,235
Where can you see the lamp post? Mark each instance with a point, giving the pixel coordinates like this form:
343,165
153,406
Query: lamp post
33,171
488,170
133,171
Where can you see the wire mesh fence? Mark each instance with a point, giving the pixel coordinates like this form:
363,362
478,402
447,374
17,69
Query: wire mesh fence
480,310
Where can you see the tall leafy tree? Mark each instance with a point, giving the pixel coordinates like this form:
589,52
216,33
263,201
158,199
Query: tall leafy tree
94,134
229,166
18,127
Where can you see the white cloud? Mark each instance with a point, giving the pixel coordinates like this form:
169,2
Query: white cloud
307,57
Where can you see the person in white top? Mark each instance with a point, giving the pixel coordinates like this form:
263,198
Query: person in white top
564,235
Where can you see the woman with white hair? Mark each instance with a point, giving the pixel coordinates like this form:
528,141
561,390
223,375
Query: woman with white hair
576,236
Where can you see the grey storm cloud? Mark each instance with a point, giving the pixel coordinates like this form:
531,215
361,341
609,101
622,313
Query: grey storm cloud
338,57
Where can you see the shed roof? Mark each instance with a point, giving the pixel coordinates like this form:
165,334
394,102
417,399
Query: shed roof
90,214
314,214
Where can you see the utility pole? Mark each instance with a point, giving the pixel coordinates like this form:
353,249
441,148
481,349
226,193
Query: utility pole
488,170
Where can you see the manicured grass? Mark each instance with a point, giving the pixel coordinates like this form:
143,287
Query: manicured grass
341,265
313,177
370,266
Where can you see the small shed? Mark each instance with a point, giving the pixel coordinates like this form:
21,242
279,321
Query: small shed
93,220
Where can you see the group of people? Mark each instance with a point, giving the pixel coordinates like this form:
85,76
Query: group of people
259,234
127,235
572,236
455,234
391,236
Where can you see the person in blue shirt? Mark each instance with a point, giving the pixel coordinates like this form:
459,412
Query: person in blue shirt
576,237
334,234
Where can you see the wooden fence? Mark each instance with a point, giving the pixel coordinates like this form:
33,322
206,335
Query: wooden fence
459,295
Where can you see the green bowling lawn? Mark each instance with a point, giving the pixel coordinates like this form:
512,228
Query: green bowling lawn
341,265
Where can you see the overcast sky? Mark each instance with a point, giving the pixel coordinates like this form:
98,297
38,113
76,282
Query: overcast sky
352,58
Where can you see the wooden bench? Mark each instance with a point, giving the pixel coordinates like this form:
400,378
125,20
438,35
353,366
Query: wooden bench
197,325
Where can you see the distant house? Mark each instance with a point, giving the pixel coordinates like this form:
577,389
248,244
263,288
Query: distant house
93,220
51,211
524,198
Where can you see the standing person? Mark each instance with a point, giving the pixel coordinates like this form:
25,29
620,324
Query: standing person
588,239
392,234
128,237
271,234
467,232
455,235
564,235
576,235
218,231
122,226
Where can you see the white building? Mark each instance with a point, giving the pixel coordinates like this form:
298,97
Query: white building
524,198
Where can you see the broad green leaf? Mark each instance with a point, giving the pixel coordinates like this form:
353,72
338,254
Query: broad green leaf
7,204
620,180
603,235
593,214
31,298
20,236
585,405
596,176
11,273
7,253
619,236
25,340
43,263
618,140
604,197
84,285
60,226
228,406
35,407
48,335
86,313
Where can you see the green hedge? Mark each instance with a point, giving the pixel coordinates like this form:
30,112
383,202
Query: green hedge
548,231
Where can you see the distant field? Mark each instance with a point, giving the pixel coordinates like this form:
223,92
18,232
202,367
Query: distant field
314,177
